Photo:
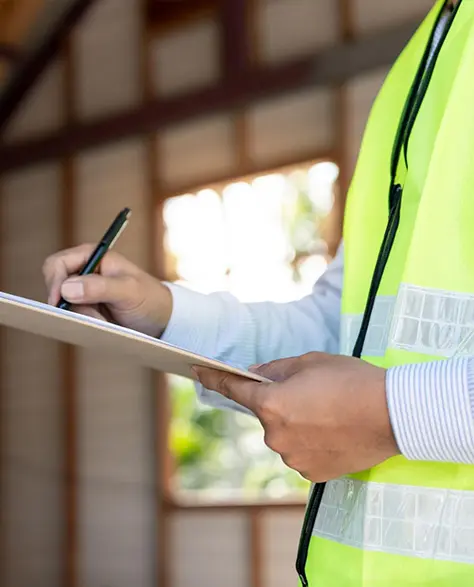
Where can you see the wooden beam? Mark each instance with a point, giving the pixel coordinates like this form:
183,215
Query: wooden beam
234,41
346,20
333,66
180,503
68,352
235,63
346,34
61,18
17,19
161,397
247,170
9,53
69,385
160,408
2,416
164,15
256,539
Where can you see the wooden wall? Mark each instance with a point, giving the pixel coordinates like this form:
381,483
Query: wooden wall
31,441
106,528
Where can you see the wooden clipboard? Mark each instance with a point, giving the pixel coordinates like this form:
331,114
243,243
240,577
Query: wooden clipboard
68,327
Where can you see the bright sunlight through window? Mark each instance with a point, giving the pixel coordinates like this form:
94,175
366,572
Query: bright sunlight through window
261,240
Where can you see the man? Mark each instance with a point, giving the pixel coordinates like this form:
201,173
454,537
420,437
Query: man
391,428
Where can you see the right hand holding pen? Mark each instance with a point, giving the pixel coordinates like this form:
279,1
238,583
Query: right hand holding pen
120,291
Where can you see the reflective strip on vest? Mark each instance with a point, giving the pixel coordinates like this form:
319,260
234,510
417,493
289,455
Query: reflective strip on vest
419,320
412,521
378,332
433,322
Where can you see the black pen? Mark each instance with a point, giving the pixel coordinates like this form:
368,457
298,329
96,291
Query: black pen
105,244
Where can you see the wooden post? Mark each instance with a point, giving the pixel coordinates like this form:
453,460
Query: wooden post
68,354
156,255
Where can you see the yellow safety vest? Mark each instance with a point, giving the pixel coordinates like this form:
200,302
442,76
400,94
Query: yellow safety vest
408,297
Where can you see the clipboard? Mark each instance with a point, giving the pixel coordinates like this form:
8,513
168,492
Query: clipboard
84,331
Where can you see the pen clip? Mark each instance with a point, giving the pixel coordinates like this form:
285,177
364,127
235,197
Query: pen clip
122,228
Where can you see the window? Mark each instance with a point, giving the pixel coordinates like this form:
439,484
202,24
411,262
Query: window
262,239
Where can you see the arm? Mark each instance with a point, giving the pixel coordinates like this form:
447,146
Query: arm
220,326
430,405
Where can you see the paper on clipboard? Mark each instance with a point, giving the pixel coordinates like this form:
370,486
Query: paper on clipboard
65,326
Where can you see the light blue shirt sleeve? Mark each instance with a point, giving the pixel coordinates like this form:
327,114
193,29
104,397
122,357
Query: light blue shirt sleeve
219,326
431,405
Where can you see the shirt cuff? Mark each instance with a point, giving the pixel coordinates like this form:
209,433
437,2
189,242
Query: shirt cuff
431,408
190,318
193,327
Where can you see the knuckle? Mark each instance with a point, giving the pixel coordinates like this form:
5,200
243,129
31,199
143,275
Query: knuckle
291,461
224,385
271,366
268,407
49,266
287,460
132,285
271,440
219,381
308,476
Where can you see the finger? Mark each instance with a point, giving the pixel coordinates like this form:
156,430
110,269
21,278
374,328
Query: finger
61,265
281,369
245,392
57,268
97,289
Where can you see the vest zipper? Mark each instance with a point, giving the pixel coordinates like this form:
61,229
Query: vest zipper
387,242
308,525
410,112
417,94
426,78
318,490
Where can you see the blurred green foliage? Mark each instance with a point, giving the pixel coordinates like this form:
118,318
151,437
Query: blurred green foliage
223,451
302,222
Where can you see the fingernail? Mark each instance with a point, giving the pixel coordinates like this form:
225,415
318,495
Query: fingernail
73,290
195,371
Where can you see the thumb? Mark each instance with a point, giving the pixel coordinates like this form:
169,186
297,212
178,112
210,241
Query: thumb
246,392
97,289
280,369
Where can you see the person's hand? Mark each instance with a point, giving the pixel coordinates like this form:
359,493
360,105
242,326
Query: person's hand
325,415
120,291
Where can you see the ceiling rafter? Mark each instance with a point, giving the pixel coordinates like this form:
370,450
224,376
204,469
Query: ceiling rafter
166,14
51,31
328,68
9,52
17,18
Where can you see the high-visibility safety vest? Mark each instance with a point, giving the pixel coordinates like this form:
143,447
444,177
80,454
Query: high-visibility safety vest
408,298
